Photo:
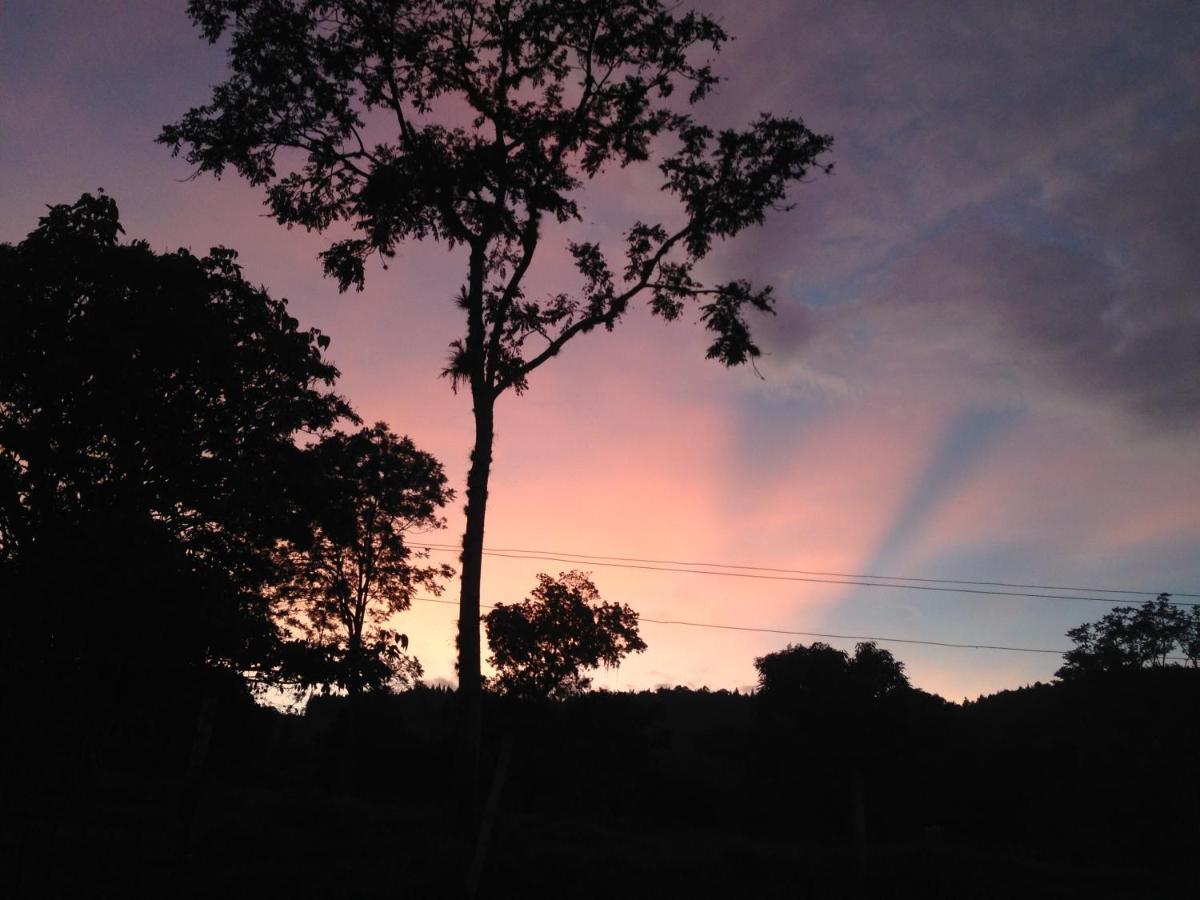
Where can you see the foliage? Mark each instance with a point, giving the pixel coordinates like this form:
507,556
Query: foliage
799,677
148,404
478,123
541,645
1133,637
347,578
1190,645
556,92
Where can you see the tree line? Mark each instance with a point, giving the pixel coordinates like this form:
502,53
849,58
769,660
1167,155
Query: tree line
189,509
1155,634
182,489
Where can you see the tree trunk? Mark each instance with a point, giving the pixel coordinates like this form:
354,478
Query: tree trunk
354,665
483,407
469,678
470,682
858,819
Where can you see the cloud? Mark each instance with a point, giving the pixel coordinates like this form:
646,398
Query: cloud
1013,220
987,317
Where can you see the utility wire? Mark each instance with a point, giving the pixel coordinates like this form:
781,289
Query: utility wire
819,634
712,565
793,578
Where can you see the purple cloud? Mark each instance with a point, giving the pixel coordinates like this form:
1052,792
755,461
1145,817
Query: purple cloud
1013,218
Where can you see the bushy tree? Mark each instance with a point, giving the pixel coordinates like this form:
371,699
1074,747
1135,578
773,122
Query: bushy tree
478,123
353,572
1131,637
148,406
1191,638
840,711
800,677
875,672
542,646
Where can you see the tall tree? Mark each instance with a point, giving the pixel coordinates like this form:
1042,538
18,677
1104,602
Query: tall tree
554,93
148,409
354,570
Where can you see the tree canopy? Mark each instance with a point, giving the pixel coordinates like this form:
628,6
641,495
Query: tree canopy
478,123
346,578
554,93
542,646
148,408
1133,637
800,677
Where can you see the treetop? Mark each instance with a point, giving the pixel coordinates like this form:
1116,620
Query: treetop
346,111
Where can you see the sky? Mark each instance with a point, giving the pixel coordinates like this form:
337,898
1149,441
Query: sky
985,362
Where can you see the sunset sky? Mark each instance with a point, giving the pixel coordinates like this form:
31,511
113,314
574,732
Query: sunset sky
985,363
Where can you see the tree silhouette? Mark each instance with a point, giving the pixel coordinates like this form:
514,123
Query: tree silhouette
821,676
1191,638
553,93
875,672
148,404
353,572
541,646
1130,638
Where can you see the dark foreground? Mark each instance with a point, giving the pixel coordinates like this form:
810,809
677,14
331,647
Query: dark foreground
1053,791
265,843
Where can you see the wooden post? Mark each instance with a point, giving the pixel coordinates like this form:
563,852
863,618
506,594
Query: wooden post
189,800
858,820
489,817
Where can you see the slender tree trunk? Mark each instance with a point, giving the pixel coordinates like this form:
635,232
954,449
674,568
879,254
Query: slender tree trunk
354,665
483,407
470,682
488,821
469,678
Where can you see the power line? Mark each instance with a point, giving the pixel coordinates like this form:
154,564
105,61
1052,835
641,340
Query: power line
850,637
819,634
596,561
712,565
816,634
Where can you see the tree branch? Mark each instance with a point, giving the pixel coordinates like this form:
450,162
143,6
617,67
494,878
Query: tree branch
615,307
529,241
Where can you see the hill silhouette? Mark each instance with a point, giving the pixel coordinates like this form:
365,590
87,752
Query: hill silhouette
1067,789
